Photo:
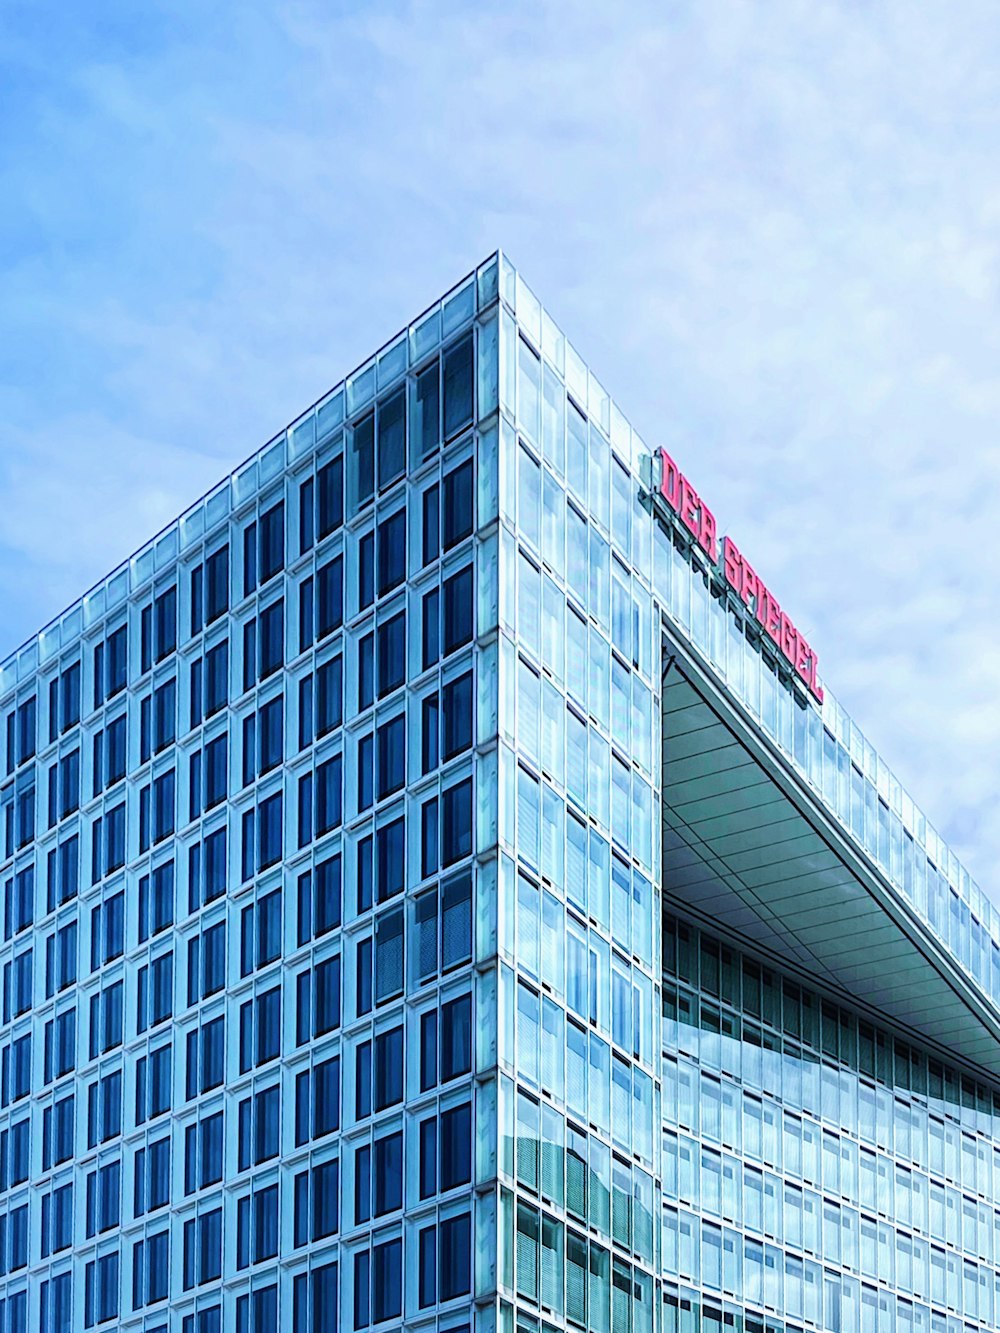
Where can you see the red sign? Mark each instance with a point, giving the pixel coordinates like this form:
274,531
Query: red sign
738,573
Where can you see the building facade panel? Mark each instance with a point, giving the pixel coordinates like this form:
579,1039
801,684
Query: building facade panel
353,972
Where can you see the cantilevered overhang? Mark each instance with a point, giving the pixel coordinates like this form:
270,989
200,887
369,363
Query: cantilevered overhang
748,848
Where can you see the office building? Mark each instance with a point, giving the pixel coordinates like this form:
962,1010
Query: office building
441,889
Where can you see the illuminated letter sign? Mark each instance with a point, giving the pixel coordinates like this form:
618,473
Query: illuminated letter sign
684,500
692,513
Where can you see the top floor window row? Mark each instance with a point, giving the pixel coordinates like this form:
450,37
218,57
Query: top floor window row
437,406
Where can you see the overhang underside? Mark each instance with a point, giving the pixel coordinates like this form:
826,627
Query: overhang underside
747,848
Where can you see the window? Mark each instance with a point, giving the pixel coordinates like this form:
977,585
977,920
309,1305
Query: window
457,706
316,1203
107,931
109,755
388,1068
456,822
330,602
62,865
104,1109
206,963
203,1153
391,756
387,1280
444,1260
317,997
58,1142
430,723
19,899
100,1300
59,1046
457,386
260,933
152,1085
391,655
202,1253
154,996
391,438
426,425
272,541
210,590
103,1199
205,1053
446,1045
110,666
388,956
262,833
61,959
388,1174
314,1296
319,899
64,701
445,1151
263,743
156,901
260,1029
151,1178
390,867
430,514
257,1226
366,570
361,462
158,629
317,1101
207,869
457,509
458,610
391,552
259,1125
330,497
150,1269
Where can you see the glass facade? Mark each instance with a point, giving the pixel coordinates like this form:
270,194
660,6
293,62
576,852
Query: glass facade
338,989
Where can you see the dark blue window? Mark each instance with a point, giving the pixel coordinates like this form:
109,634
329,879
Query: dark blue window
456,1037
455,1267
366,671
330,584
329,794
430,617
331,496
361,462
457,386
391,552
272,541
366,570
431,524
388,1173
391,859
427,410
329,695
430,715
391,654
457,509
456,822
391,439
458,610
456,699
387,1283
389,1068
272,635
391,760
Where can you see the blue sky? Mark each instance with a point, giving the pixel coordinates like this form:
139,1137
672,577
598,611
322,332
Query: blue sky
771,226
